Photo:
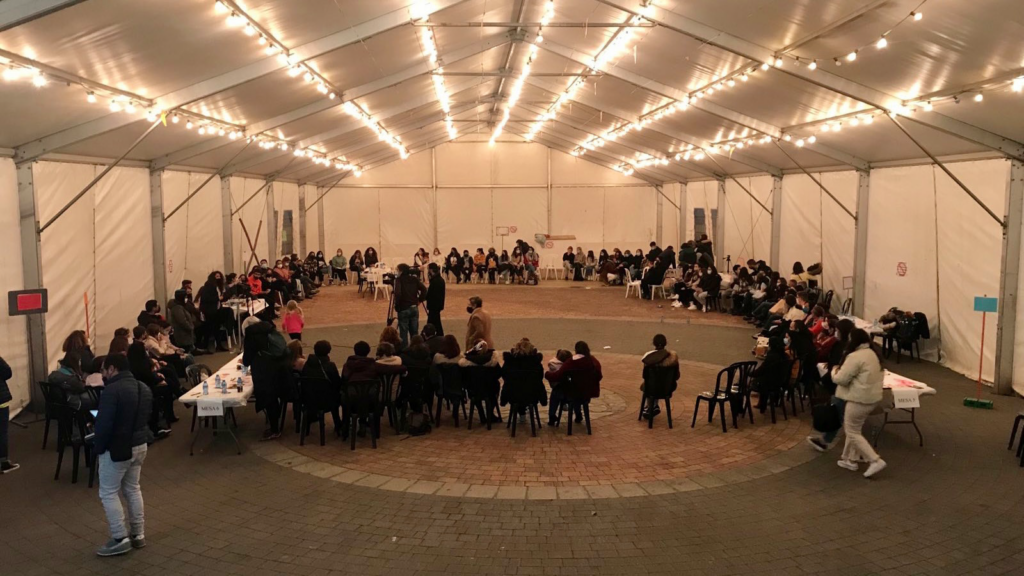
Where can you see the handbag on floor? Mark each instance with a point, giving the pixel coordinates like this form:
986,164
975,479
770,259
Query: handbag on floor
826,417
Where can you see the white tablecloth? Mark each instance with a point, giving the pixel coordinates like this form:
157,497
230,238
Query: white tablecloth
869,327
254,306
893,380
233,398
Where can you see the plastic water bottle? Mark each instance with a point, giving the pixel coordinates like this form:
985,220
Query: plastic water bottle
216,381
206,387
239,384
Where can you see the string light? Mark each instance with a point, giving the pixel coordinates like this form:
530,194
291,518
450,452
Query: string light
355,111
882,42
439,88
617,45
90,97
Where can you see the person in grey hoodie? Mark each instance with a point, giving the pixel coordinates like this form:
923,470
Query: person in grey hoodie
182,322
659,357
858,379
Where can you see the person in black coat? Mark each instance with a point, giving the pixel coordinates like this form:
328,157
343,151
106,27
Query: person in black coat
523,366
435,298
319,365
5,411
773,372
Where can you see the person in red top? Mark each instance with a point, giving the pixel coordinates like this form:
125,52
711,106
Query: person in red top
816,321
827,337
585,372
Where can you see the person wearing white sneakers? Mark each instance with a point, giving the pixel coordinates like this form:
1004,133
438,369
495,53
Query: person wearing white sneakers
858,380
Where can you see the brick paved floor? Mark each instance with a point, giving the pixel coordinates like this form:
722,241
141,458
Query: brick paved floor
952,507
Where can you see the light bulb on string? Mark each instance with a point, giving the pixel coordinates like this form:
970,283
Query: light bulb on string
90,97
812,139
778,62
882,43
189,125
175,119
221,132
928,106
220,6
235,20
851,56
787,137
263,40
202,130
978,97
130,107
115,106
744,77
800,143
1018,84
765,66
249,30
869,119
917,15
39,80
813,65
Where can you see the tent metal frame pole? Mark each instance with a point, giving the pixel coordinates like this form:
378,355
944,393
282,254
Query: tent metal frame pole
683,217
227,230
32,270
816,181
1006,325
775,256
549,193
328,189
433,186
271,223
157,220
946,170
530,25
860,246
100,176
302,220
719,231
321,233
659,215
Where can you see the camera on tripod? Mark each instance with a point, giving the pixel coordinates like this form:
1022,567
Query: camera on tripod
388,279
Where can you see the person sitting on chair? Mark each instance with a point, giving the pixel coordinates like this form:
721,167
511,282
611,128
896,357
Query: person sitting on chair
659,357
524,358
586,373
319,365
481,355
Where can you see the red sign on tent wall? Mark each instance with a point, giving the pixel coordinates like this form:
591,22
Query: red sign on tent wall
901,269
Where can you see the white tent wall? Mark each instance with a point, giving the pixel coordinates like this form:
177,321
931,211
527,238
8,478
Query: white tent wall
702,196
944,272
407,223
524,211
13,329
352,219
194,234
99,251
748,227
816,229
670,215
254,215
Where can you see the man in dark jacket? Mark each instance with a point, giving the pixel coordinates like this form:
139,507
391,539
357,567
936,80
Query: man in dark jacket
435,298
264,351
5,413
687,254
409,292
655,251
120,444
151,315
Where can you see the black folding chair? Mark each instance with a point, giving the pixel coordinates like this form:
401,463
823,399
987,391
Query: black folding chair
573,396
520,391
318,396
450,390
361,399
659,386
481,383
732,389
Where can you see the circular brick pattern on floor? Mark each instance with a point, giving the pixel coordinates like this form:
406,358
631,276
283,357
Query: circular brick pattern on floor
622,457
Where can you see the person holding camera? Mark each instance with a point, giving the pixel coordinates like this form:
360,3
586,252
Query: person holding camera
409,292
435,297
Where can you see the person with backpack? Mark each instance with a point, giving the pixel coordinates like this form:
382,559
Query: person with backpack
266,353
120,444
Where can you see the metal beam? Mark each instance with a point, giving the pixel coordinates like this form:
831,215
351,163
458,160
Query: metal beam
227,229
587,99
321,232
14,13
156,220
1006,325
226,81
556,142
821,78
816,181
517,15
776,223
323,104
860,246
719,240
529,24
346,126
32,270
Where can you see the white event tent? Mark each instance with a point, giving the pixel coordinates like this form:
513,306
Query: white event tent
814,130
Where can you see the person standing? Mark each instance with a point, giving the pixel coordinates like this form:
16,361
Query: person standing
435,298
121,444
409,292
858,380
5,413
479,327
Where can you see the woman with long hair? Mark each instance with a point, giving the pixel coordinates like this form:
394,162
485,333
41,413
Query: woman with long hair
858,379
76,342
391,336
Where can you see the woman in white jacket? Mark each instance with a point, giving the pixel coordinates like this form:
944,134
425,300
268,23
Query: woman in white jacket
858,380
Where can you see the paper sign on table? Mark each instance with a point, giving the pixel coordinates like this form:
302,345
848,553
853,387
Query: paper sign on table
906,398
210,407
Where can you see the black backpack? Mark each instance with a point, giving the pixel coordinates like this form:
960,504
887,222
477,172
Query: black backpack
418,424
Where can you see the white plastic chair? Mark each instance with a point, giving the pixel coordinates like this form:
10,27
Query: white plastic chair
632,285
550,268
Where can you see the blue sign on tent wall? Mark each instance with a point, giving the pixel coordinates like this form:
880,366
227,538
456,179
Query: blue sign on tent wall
985,304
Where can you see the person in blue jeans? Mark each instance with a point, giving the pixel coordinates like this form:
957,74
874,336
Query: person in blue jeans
409,292
5,414
122,434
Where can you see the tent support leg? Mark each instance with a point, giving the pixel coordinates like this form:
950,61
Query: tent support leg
1008,280
156,217
322,234
226,227
719,231
776,221
32,269
271,223
684,234
302,221
659,215
860,246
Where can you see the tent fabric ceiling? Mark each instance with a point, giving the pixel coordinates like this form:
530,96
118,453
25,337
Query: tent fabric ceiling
162,46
